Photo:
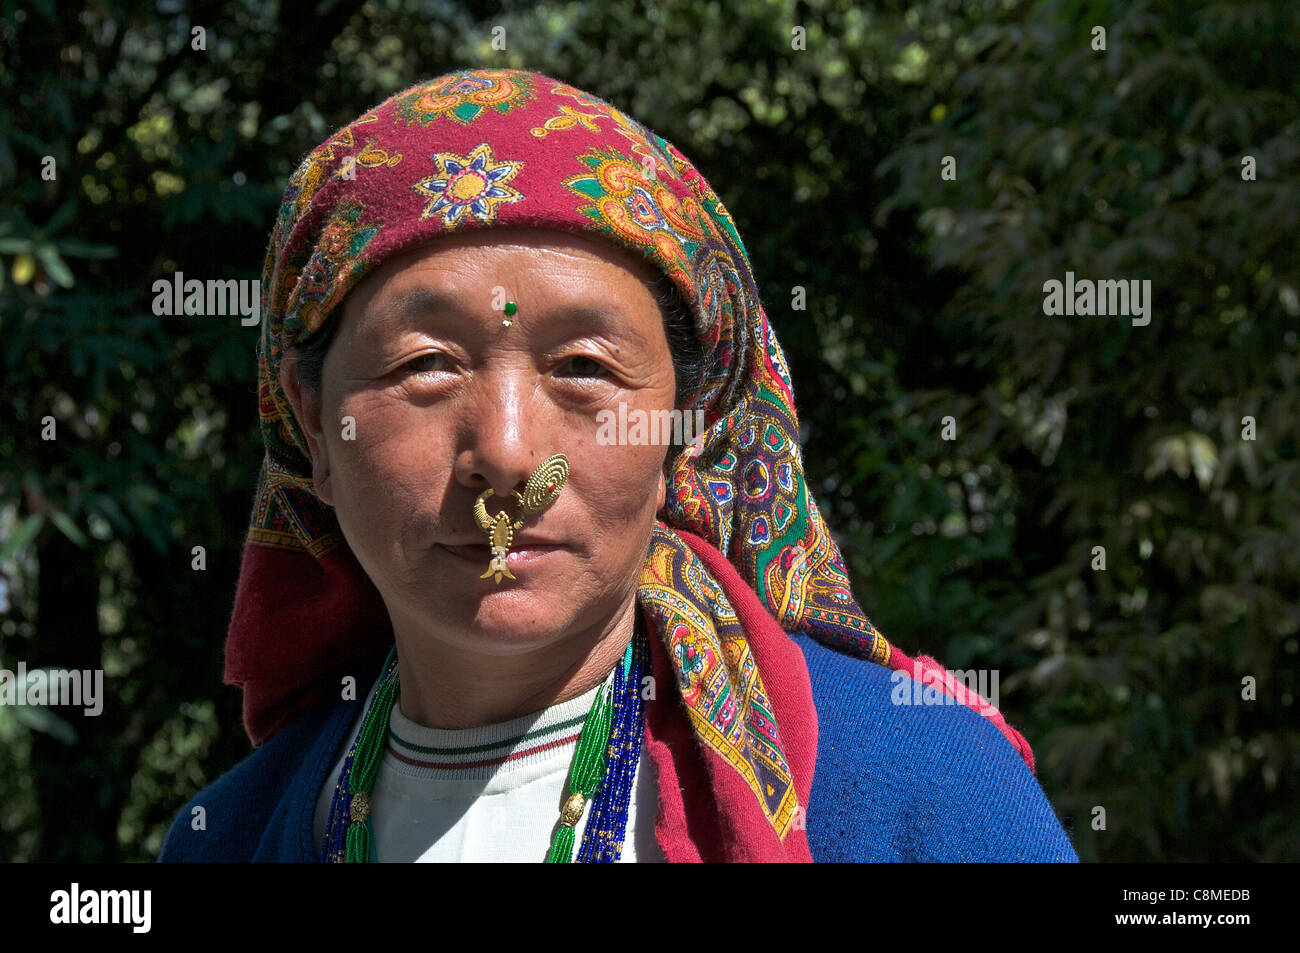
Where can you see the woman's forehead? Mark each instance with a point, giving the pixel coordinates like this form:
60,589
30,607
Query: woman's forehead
550,267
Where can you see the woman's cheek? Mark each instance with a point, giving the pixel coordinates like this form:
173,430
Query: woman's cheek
382,457
629,483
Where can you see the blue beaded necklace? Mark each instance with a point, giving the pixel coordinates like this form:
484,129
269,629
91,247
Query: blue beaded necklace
602,841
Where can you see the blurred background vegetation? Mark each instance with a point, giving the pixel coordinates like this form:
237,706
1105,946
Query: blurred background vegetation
924,300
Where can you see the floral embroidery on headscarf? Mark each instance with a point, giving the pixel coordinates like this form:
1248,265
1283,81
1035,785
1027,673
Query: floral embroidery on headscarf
463,97
472,185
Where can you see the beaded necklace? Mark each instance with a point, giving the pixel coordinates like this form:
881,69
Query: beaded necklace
602,772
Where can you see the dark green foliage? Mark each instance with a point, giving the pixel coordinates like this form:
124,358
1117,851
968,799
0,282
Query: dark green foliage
924,300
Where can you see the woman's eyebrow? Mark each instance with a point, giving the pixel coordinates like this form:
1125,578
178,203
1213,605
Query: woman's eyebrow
417,301
609,318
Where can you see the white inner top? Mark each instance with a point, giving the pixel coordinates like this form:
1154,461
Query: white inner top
486,794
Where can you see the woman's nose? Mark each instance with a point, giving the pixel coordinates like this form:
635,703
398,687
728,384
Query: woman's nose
505,437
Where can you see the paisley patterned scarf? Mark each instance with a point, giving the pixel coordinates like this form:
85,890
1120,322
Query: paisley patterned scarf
481,148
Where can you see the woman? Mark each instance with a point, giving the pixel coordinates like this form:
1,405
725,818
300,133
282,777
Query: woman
473,621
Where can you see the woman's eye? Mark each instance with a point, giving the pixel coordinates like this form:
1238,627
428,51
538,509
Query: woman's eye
583,367
425,363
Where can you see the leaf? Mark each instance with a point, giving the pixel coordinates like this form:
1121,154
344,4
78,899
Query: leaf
61,217
23,538
54,266
40,718
79,249
1204,456
69,529
108,508
882,553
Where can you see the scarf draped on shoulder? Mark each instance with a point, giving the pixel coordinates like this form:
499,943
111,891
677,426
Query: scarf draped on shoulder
740,554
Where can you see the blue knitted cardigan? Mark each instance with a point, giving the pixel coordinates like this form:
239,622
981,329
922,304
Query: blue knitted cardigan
892,783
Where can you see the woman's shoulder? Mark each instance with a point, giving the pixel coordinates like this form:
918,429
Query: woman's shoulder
904,772
250,812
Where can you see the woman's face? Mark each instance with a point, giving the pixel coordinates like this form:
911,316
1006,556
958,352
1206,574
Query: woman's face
448,402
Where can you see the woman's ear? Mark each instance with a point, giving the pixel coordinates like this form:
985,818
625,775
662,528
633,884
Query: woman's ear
663,490
306,404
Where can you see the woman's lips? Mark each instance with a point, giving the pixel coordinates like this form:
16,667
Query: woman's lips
480,554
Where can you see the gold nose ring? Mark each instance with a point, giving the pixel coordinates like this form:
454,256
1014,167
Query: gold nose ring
540,490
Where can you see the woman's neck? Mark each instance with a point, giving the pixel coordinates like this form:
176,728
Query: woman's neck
442,687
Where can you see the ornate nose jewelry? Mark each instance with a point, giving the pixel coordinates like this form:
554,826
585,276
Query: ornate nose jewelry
511,308
539,492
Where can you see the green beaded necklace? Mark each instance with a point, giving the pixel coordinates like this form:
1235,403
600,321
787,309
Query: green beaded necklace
585,775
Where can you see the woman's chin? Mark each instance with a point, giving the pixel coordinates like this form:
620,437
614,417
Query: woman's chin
535,603
512,621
